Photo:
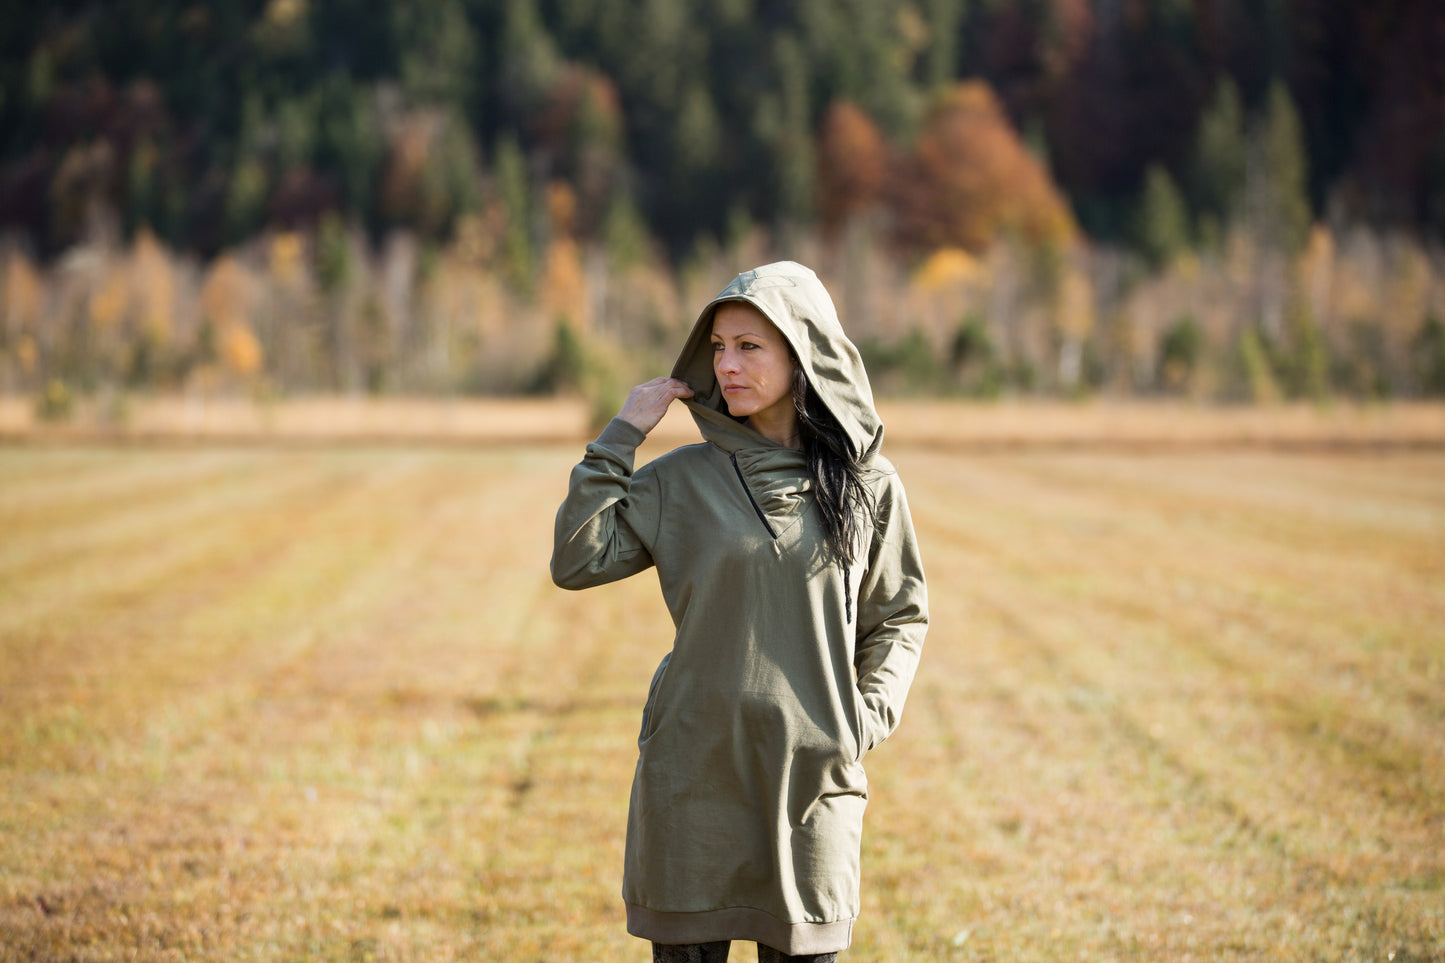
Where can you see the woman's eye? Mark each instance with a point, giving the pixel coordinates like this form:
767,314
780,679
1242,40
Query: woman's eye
716,346
748,346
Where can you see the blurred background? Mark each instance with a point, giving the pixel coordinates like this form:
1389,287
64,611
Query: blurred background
1182,696
1222,200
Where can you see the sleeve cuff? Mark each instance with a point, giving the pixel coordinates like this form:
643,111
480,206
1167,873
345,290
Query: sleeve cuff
621,434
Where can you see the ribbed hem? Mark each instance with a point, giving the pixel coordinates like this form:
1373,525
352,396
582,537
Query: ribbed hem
621,434
740,923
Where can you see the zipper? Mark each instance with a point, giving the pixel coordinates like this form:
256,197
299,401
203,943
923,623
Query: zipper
732,456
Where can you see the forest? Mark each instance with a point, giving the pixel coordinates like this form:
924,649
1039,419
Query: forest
1223,200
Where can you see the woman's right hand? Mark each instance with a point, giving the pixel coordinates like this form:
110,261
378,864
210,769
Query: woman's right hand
647,403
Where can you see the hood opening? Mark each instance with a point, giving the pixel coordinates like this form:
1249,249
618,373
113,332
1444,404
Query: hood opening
795,301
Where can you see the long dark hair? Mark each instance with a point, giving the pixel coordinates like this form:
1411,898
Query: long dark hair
844,499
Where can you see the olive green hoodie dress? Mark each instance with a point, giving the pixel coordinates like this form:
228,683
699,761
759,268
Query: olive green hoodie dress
786,667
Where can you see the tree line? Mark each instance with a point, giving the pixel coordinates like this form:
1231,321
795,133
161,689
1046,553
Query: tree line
1075,152
209,122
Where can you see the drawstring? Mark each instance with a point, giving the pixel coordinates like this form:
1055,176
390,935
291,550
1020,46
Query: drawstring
847,594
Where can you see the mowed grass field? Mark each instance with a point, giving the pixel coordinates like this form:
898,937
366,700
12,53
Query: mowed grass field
324,703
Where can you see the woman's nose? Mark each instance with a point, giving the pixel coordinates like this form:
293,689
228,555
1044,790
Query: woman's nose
726,361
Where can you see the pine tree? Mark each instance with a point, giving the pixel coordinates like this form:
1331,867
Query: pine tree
944,18
350,141
1219,163
1162,222
854,51
1280,177
624,234
694,184
530,63
438,53
515,191
794,157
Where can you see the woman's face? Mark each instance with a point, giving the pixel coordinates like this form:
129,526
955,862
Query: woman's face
752,363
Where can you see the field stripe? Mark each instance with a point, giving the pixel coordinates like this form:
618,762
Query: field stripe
334,709
1141,679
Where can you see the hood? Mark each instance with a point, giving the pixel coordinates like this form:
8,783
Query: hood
791,296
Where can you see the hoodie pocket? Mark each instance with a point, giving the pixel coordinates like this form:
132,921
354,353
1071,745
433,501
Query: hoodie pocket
860,723
649,713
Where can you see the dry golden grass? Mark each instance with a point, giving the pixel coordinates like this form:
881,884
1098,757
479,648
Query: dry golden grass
276,703
938,424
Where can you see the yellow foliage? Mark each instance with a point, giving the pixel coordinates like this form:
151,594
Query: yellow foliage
1370,279
1188,267
487,308
286,259
285,12
225,294
947,286
27,354
564,284
1407,296
1075,304
153,285
240,350
475,241
561,207
1354,290
1316,270
108,303
22,293
468,296
946,268
1319,252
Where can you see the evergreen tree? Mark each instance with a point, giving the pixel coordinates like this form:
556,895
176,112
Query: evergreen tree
624,234
349,141
1180,354
245,201
273,108
295,124
1219,160
794,159
1162,222
1282,214
1429,357
438,53
530,64
451,178
1435,188
945,17
855,52
695,184
515,191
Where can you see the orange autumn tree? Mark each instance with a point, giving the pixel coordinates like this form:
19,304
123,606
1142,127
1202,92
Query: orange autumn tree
970,178
852,163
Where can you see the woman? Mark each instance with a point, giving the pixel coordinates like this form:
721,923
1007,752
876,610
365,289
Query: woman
787,559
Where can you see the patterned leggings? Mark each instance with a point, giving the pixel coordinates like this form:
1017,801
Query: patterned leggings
718,953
